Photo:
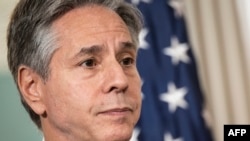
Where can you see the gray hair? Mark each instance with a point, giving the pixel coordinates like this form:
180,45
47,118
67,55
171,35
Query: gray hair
31,41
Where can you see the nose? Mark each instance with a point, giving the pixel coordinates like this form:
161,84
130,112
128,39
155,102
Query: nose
115,79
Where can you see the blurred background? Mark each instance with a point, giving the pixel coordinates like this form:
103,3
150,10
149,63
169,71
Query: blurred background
219,34
15,124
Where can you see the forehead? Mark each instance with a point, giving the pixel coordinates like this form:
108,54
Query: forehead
89,26
93,18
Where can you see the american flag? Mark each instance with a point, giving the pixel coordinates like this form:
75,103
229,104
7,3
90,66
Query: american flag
172,98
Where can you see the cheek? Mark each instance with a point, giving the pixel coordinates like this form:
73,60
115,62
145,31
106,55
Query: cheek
64,94
135,90
136,83
68,103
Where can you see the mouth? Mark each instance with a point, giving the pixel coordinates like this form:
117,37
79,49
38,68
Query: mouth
120,112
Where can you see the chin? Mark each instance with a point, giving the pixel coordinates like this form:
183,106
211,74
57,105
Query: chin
121,134
122,137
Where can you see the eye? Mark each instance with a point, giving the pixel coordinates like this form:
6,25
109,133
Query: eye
128,61
90,63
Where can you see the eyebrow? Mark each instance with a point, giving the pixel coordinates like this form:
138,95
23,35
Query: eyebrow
96,49
128,45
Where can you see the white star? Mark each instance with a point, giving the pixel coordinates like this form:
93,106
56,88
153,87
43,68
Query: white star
168,137
175,97
135,135
178,6
177,51
143,44
136,2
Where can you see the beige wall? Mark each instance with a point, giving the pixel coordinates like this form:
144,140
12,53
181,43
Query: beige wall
6,6
217,34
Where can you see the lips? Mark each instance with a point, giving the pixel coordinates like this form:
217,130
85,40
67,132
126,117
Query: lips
117,111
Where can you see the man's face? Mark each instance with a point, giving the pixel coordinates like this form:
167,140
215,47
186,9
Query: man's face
94,90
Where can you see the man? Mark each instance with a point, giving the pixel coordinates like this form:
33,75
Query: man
74,62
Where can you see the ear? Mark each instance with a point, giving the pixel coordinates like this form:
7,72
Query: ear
30,84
